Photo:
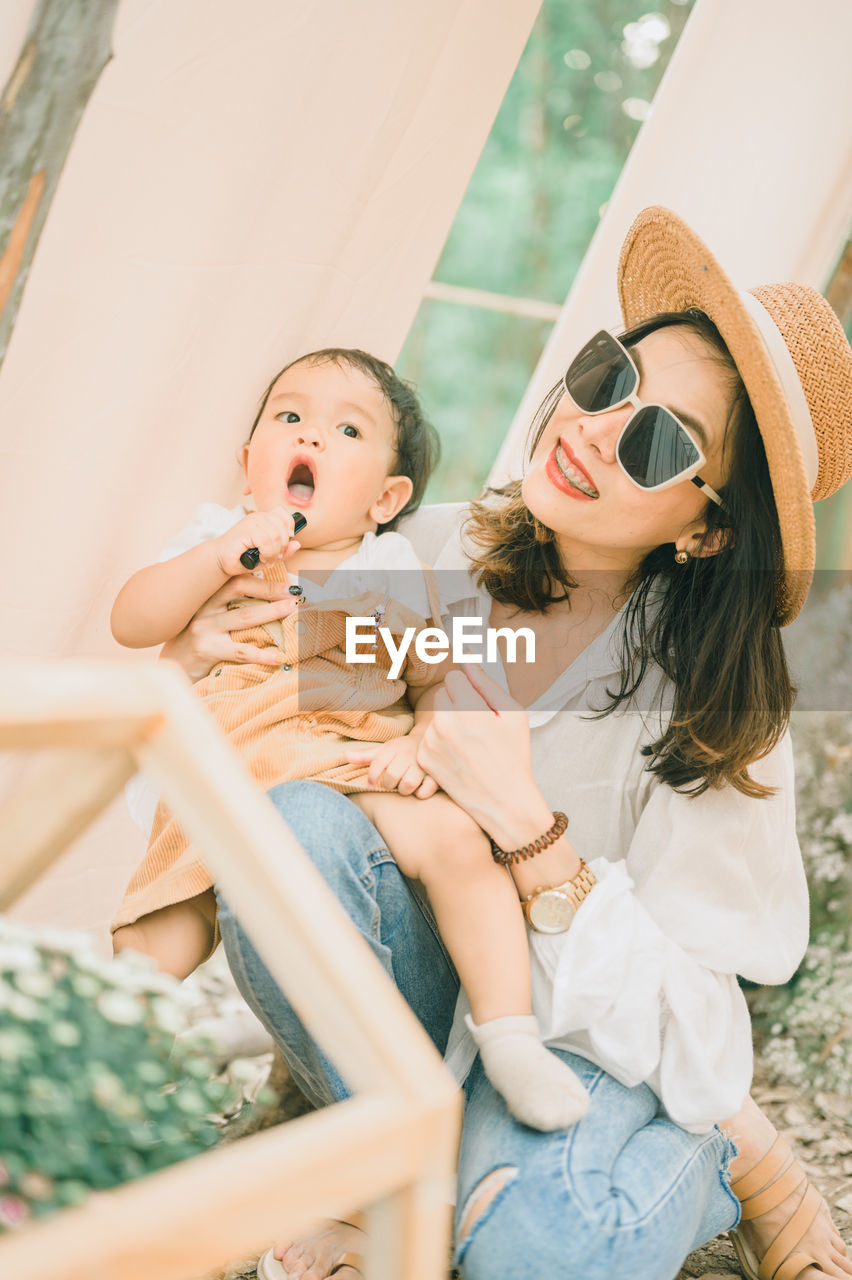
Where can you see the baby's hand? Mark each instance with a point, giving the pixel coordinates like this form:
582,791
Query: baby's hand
394,765
270,531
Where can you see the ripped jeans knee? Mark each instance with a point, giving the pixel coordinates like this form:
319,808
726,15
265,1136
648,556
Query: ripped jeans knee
625,1192
481,1199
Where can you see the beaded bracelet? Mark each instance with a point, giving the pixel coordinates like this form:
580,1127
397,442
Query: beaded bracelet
550,836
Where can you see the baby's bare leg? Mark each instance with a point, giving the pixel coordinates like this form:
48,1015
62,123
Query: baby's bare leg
477,909
474,900
178,937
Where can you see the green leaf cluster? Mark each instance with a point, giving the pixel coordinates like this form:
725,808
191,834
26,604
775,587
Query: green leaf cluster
94,1088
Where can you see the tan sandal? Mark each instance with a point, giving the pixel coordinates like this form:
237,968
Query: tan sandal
269,1268
771,1181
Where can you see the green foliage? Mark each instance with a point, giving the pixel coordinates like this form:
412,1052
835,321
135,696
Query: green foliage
808,1031
805,1028
550,163
94,1089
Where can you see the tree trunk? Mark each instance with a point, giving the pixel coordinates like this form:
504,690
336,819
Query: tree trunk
68,45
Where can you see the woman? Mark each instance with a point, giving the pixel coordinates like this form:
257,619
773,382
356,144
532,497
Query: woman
655,546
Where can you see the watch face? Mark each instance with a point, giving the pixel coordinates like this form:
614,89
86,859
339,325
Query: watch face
551,912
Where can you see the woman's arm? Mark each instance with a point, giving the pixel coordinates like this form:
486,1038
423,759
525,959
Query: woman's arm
159,601
476,744
643,982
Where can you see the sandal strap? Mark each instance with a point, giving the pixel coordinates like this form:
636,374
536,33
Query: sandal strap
793,1266
764,1171
779,1262
783,1186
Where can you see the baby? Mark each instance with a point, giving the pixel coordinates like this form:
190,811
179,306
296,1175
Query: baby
342,439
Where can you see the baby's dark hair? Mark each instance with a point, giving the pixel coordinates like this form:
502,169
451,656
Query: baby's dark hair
418,447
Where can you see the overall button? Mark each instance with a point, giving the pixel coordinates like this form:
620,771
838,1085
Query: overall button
286,666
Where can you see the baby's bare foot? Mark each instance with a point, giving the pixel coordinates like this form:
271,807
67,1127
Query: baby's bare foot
315,1254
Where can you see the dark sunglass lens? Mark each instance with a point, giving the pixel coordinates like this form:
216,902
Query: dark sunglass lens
600,376
654,448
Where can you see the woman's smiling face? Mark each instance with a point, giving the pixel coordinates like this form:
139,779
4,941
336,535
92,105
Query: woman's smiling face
619,527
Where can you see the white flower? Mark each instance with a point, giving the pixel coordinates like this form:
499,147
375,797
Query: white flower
829,867
37,985
18,957
66,940
245,1071
23,1008
65,1034
107,1089
167,1015
841,827
14,1044
120,1008
96,965
85,986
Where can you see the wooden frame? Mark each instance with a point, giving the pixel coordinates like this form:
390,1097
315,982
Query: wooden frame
389,1149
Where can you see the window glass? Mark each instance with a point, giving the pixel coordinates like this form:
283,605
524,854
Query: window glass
575,104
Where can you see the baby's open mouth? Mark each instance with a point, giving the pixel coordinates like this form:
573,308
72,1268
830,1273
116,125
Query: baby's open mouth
301,484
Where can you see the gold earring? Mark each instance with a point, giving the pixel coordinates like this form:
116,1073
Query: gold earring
681,557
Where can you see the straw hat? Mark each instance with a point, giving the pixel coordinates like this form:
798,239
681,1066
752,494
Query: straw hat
794,360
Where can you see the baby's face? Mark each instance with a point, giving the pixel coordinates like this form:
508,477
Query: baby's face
325,445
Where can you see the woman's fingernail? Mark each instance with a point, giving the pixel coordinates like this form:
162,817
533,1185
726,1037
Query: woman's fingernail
295,590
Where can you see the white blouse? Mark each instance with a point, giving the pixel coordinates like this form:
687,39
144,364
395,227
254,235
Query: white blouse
692,890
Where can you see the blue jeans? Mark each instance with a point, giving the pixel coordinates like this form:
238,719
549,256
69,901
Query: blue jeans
624,1193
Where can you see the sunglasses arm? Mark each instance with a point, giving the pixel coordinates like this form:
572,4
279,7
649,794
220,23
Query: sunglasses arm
709,490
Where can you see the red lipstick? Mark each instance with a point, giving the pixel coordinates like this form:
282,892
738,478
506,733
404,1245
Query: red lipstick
562,452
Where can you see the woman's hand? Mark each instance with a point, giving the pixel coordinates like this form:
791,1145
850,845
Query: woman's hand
206,640
477,748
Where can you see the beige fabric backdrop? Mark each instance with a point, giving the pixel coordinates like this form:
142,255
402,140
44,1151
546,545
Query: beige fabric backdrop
248,182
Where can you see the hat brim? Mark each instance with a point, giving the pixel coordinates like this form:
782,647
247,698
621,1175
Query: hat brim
665,266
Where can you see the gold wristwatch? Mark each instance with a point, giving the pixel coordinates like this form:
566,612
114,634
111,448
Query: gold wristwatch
551,909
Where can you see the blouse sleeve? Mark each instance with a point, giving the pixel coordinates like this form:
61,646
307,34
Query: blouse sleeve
644,981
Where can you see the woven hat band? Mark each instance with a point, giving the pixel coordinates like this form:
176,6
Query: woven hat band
794,394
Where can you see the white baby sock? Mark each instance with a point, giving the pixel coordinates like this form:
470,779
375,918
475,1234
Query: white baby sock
540,1089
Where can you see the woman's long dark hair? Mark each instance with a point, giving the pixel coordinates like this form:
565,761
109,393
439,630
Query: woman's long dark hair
710,625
